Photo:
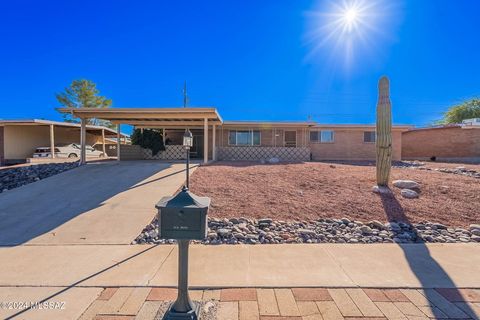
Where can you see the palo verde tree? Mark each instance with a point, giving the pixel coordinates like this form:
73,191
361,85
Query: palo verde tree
466,110
83,94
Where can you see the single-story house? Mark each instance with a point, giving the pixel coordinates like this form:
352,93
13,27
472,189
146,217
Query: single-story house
20,138
216,139
453,142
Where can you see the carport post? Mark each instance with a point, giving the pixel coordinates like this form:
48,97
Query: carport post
214,156
52,141
83,138
103,143
118,142
205,140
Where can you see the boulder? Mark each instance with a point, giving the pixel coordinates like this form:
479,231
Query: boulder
409,194
406,184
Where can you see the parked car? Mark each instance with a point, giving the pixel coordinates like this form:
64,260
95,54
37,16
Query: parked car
71,150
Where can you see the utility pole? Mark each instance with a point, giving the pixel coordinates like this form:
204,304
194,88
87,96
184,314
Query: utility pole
185,96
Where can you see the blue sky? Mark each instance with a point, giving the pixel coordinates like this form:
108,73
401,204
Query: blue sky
253,60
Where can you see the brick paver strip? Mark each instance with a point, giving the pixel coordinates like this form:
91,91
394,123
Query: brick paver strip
240,294
376,295
363,302
248,310
211,295
471,309
149,310
113,317
279,318
409,309
267,303
228,310
157,294
107,293
433,312
116,301
311,294
390,310
443,304
92,310
395,295
134,301
344,303
416,297
329,310
307,308
286,303
196,295
460,295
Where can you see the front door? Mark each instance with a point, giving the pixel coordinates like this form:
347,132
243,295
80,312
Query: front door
290,139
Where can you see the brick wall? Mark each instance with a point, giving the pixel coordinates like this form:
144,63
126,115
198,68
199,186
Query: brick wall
446,142
349,145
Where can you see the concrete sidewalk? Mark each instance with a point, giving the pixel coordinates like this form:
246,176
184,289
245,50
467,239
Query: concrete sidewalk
296,265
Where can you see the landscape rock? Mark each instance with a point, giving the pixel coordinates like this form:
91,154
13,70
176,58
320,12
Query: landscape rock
11,178
406,184
251,231
409,194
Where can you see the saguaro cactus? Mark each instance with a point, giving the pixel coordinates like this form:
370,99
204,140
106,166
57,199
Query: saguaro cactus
384,132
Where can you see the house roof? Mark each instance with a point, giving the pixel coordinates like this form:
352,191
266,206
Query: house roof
90,128
192,117
144,117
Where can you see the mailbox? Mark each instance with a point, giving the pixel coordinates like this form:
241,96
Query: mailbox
183,216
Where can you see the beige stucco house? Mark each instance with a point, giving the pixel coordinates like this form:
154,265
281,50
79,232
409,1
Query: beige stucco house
20,138
216,139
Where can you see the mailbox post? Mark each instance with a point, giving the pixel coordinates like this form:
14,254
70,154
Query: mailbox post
183,217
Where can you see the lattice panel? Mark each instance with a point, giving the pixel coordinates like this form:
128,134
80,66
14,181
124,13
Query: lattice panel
171,152
263,153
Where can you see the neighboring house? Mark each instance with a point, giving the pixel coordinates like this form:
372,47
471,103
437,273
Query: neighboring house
20,138
454,142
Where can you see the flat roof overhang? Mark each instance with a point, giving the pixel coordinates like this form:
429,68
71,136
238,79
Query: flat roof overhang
150,117
40,122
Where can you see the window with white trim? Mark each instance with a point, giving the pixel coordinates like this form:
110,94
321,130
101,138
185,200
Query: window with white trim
324,136
244,137
369,136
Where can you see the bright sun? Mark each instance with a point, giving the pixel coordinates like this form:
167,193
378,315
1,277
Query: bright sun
351,15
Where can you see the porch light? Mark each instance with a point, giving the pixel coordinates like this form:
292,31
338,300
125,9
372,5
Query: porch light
187,139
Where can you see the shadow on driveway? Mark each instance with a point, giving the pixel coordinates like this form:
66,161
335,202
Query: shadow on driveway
35,209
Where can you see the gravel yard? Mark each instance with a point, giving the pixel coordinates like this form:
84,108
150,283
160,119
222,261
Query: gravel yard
310,191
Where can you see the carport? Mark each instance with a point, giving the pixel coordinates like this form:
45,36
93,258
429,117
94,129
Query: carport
152,118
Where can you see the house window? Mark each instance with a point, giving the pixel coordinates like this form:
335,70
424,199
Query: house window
369,136
244,137
322,136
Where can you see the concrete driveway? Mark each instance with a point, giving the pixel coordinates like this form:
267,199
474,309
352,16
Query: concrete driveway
99,203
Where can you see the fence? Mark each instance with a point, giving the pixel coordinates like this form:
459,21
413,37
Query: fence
251,153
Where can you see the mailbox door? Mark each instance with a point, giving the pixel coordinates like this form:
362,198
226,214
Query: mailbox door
182,223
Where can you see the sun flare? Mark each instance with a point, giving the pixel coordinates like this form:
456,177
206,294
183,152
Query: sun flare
347,27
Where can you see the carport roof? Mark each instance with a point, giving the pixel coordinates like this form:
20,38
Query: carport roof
149,116
33,122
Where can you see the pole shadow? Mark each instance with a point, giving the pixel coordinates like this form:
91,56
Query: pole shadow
433,278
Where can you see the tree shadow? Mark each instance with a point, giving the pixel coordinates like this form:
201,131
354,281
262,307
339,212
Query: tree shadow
434,280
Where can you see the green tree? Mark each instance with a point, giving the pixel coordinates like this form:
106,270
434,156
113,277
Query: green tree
466,110
83,94
148,139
